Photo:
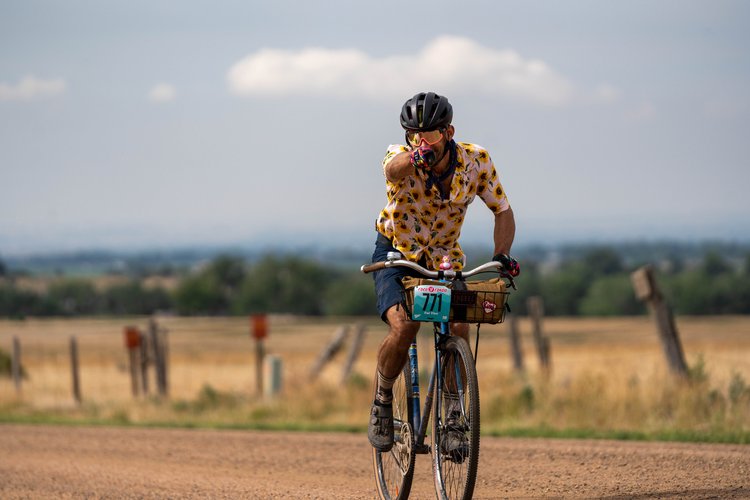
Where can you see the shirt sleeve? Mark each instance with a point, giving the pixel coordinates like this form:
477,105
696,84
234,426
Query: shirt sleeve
392,151
490,189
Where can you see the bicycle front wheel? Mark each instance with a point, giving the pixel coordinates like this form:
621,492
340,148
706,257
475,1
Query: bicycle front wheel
394,469
455,422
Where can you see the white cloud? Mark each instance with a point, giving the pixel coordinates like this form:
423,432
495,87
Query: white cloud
162,92
31,88
607,93
448,64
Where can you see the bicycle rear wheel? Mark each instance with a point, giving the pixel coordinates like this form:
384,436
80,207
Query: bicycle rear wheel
394,469
455,422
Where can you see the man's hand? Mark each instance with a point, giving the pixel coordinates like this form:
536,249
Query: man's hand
423,157
509,263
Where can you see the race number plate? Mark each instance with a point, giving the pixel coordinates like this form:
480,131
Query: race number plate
431,303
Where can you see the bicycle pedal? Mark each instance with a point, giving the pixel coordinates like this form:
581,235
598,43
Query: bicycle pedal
422,449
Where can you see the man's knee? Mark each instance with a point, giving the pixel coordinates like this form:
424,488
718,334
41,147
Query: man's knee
400,325
460,330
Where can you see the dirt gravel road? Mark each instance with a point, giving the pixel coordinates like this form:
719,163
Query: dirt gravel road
106,462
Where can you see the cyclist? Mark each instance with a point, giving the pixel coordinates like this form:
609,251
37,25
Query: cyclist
430,182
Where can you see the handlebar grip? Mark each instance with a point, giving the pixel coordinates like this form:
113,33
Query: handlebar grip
369,268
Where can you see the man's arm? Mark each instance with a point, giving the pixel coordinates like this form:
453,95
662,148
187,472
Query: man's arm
398,167
505,231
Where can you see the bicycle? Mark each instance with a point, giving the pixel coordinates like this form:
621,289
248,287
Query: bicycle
454,400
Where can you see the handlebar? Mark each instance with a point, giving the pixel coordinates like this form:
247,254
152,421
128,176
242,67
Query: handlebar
449,274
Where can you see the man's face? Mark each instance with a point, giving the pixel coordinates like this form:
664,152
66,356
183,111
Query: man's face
434,139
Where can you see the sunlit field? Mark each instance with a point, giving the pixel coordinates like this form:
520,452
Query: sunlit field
607,375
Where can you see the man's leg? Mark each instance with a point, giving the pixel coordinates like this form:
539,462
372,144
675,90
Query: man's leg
460,330
392,356
394,350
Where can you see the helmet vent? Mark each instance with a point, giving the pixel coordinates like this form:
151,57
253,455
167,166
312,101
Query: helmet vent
426,111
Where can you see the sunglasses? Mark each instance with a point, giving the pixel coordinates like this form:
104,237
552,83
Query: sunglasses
431,137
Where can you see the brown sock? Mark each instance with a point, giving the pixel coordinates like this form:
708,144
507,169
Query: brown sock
385,388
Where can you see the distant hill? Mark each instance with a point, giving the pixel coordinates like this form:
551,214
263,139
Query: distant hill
165,262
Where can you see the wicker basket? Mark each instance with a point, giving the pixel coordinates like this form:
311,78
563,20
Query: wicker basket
481,302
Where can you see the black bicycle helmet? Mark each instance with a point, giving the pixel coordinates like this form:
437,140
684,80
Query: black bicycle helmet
426,111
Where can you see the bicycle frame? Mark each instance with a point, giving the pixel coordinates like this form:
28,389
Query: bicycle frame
441,331
453,404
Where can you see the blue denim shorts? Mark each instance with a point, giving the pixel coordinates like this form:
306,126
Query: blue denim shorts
388,285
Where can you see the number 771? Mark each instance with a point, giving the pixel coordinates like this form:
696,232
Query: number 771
437,302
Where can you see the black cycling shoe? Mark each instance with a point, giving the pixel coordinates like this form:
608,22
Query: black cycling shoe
453,441
380,430
455,445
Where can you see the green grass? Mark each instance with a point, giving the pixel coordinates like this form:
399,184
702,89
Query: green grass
608,387
22,415
587,407
70,420
667,435
528,432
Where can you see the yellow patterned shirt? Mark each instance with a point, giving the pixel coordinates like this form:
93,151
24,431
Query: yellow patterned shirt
420,223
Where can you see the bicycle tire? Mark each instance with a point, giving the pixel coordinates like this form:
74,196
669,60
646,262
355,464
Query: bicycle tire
394,469
455,469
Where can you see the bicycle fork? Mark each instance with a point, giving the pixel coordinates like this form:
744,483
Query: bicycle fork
421,431
416,417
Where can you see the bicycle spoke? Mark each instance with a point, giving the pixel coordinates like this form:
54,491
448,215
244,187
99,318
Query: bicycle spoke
453,396
460,388
394,469
456,423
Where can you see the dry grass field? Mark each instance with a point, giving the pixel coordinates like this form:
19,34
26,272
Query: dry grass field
608,375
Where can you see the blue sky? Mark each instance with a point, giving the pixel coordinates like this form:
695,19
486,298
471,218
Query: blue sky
153,124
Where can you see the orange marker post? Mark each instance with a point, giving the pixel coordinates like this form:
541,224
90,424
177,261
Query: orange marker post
132,343
259,331
259,326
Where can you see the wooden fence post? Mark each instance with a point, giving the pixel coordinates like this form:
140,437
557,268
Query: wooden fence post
259,331
647,290
329,351
354,350
260,354
133,342
515,344
133,358
164,362
153,351
74,370
145,359
535,306
16,364
158,354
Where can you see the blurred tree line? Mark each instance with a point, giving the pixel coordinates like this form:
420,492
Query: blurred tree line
596,283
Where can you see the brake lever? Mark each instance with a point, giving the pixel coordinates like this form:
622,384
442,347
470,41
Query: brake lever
507,276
